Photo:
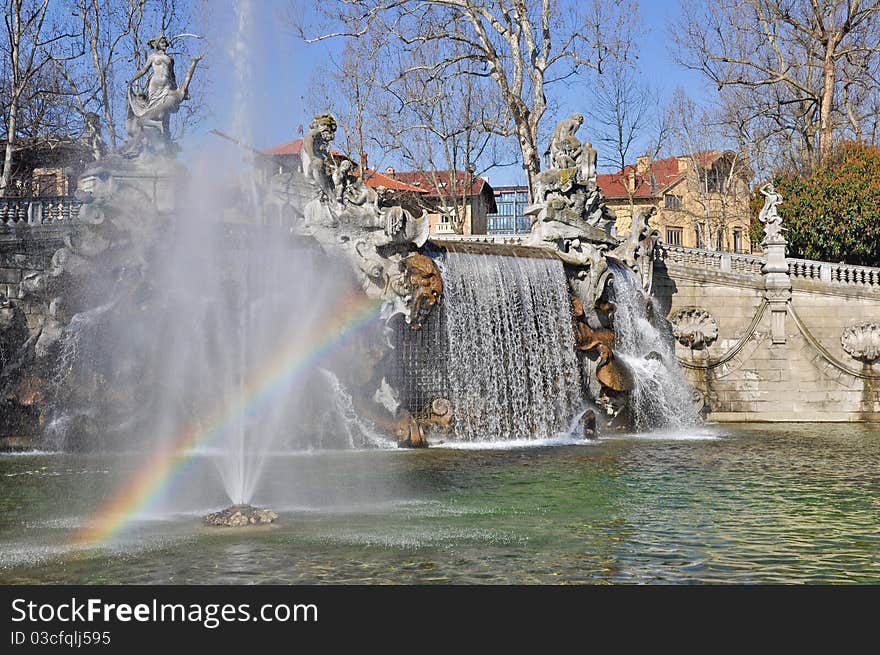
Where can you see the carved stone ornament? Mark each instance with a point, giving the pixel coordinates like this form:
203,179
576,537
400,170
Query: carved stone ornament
862,342
694,327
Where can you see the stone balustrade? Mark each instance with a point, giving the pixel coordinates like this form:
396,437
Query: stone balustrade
723,262
838,274
38,210
860,277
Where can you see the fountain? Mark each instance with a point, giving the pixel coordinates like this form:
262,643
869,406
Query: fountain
190,318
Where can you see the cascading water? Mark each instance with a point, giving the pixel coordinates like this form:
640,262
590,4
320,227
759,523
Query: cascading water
342,417
662,397
512,369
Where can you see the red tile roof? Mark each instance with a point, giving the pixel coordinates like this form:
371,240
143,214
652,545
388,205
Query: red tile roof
426,179
290,148
372,178
377,179
666,172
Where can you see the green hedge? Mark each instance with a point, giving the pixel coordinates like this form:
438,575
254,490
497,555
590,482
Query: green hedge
832,214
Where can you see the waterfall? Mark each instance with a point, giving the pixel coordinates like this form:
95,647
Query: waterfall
344,417
512,368
662,398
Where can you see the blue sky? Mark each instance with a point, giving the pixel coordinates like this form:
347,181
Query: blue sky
279,68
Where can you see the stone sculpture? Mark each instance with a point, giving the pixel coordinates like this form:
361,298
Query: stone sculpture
365,225
149,110
862,342
96,141
637,249
569,210
419,286
694,327
769,216
777,282
379,237
317,164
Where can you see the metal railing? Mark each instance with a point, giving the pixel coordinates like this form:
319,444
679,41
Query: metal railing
38,210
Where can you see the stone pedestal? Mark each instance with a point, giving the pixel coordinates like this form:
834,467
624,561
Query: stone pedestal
777,286
157,179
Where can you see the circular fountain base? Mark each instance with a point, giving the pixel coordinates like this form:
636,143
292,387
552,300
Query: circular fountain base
239,516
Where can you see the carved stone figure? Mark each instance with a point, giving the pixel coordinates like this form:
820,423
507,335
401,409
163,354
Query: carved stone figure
423,288
564,148
441,416
694,327
568,206
637,249
769,216
590,431
377,235
96,141
341,179
316,161
862,342
149,111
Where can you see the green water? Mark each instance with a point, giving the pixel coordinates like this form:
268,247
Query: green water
737,504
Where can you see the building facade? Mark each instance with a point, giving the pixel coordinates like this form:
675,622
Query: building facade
48,167
456,202
702,200
510,218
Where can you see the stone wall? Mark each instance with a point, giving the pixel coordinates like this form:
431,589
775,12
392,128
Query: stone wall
749,371
26,251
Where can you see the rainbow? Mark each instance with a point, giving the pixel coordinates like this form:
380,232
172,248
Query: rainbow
284,369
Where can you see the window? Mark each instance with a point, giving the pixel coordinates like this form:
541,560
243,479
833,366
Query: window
737,240
719,240
673,236
672,202
715,181
47,185
698,236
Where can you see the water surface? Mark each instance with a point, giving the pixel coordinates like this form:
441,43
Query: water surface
740,504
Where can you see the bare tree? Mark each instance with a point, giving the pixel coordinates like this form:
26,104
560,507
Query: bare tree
445,124
716,177
624,113
808,69
28,51
522,46
441,124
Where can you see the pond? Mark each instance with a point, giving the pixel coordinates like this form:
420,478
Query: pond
720,504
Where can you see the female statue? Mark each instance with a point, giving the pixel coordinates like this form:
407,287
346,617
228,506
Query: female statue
769,215
151,109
